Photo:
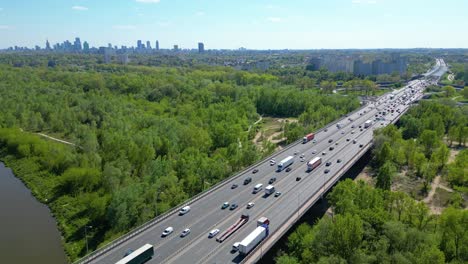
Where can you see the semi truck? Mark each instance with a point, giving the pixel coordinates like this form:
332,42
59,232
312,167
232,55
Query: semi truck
368,123
314,163
233,228
269,189
138,256
285,163
308,138
253,239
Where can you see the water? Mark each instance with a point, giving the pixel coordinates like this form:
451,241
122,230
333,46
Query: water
28,232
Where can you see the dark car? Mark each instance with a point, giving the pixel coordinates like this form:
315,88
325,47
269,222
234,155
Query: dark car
233,206
327,171
255,171
298,178
338,161
272,180
331,148
348,139
360,145
328,163
234,186
330,140
247,180
288,169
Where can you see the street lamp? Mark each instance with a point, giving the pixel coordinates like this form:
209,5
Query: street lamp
86,237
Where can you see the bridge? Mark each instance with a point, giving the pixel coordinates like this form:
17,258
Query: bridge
349,143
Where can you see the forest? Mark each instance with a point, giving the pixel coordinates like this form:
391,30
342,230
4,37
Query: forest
144,139
374,223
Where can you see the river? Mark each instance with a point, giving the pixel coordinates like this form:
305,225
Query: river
28,232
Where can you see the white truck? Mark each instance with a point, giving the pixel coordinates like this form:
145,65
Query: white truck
253,239
285,163
269,189
314,163
368,123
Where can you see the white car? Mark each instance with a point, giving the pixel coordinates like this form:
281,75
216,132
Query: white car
184,210
314,151
185,232
272,162
250,205
167,231
213,233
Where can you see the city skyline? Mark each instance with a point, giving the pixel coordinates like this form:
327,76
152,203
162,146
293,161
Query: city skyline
264,24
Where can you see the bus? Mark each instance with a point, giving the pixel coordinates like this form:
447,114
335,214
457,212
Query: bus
138,256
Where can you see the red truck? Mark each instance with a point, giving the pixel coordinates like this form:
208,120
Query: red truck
308,138
238,224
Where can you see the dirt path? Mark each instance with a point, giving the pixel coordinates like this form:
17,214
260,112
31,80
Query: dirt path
274,141
56,139
256,122
434,185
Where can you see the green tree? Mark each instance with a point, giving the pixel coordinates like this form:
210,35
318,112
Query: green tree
454,240
385,176
449,91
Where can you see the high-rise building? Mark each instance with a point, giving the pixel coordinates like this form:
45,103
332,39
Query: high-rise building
157,45
148,45
47,45
201,47
77,44
176,47
139,44
85,47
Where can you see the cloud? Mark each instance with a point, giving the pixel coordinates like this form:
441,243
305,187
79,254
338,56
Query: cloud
275,19
272,7
164,23
200,13
124,27
148,1
5,27
370,2
79,8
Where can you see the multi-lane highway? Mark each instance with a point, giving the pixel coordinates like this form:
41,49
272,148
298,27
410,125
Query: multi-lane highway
206,213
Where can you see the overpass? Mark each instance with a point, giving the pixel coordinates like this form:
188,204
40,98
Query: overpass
350,142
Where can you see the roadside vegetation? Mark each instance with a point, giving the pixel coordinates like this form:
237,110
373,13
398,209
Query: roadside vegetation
147,138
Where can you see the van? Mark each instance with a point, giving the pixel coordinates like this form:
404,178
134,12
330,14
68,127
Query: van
184,210
257,188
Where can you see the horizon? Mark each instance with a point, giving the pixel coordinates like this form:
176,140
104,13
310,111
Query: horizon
263,25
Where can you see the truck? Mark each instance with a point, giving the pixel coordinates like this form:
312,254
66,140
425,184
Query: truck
233,228
339,125
263,221
308,138
141,255
253,239
368,123
269,189
314,163
285,163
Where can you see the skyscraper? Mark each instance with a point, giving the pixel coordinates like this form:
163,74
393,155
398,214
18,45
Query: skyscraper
201,47
77,44
47,45
148,45
85,47
176,47
139,44
157,45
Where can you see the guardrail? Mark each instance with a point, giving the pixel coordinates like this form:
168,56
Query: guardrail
263,246
111,245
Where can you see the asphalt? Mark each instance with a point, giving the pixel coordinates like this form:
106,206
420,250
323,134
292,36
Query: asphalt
206,214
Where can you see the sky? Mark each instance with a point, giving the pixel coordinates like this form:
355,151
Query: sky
231,24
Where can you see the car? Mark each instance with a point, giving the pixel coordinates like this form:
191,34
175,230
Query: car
225,205
233,206
295,152
247,180
250,205
314,151
213,233
324,153
167,231
353,126
288,169
328,163
338,161
314,141
352,132
360,114
337,143
331,148
327,171
381,124
302,155
184,210
326,130
277,194
330,140
354,141
342,132
360,145
348,139
235,247
298,178
234,186
255,171
128,252
302,159
360,126
272,180
272,162
185,232
361,129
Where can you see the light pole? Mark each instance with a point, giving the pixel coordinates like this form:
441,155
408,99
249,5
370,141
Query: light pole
86,237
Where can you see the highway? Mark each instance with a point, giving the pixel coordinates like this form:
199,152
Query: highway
206,213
